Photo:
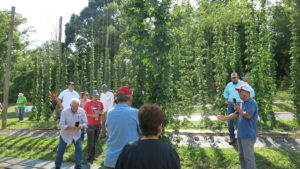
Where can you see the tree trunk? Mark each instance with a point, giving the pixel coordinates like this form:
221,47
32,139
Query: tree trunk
8,68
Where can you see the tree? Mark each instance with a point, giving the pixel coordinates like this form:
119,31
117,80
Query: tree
295,59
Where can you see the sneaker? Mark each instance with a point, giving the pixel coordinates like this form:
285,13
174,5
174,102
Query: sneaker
232,141
103,138
89,162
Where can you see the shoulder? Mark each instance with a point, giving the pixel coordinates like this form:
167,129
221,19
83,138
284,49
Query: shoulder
133,109
65,111
229,84
132,145
76,92
81,110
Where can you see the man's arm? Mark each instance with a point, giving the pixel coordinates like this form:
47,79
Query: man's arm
243,113
59,102
226,94
60,99
229,117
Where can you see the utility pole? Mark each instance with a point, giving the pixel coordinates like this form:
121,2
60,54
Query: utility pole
59,58
8,68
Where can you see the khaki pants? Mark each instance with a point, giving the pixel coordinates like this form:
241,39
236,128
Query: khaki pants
103,128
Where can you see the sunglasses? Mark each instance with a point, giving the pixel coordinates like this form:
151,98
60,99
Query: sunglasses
240,91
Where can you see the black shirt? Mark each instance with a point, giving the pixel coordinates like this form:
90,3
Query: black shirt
148,154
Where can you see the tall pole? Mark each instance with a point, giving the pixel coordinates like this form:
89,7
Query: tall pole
8,68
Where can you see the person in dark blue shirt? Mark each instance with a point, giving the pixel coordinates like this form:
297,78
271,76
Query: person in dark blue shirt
247,125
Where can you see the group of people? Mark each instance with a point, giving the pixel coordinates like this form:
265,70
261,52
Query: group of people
132,134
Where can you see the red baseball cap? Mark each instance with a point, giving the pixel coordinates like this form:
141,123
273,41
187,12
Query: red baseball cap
124,90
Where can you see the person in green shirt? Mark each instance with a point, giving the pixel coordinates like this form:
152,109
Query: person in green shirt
21,105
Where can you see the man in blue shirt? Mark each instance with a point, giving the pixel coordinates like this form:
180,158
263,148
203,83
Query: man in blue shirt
122,125
247,125
230,94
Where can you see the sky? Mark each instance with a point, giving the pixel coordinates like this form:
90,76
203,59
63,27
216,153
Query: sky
43,15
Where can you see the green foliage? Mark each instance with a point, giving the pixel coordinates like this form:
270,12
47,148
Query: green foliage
295,59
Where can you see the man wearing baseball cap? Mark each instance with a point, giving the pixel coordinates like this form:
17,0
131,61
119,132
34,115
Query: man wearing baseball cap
93,109
247,123
122,126
107,98
231,95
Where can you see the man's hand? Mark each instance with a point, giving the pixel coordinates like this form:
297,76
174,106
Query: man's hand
81,127
237,108
226,101
221,117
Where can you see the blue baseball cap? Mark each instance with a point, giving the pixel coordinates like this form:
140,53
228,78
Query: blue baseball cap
104,86
95,92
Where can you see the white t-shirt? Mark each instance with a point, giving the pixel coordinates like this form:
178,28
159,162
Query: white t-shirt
66,96
108,100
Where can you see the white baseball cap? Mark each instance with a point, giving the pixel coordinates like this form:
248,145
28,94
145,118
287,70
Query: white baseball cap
245,87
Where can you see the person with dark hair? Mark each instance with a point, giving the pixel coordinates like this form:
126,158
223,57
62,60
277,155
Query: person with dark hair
149,152
84,98
122,126
65,97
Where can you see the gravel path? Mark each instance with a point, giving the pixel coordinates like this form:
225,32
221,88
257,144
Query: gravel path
195,138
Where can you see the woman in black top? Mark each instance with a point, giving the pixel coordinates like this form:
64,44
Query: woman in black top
149,152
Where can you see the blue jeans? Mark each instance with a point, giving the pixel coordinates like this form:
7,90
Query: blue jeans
61,150
82,134
21,113
230,110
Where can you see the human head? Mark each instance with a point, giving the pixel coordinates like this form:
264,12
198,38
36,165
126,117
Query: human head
151,119
244,91
71,86
84,95
95,95
20,95
124,95
234,78
75,104
104,88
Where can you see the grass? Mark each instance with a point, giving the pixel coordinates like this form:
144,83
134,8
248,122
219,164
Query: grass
283,95
191,158
13,121
26,147
282,107
266,158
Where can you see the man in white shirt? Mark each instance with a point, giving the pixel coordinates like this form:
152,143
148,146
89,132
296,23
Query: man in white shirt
107,98
65,97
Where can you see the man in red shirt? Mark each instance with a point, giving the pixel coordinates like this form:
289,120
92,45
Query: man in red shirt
94,110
